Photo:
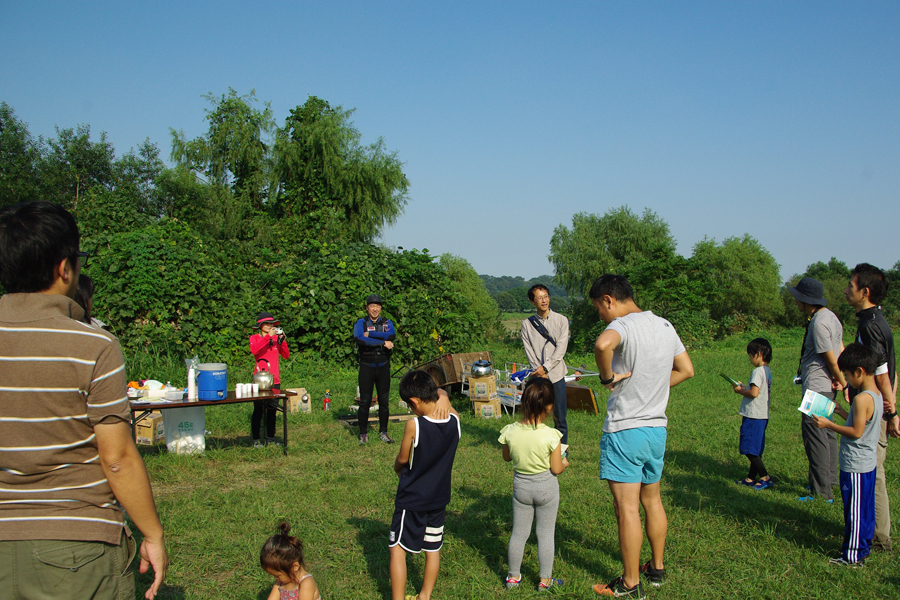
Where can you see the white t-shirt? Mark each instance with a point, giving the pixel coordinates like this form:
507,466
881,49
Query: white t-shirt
648,349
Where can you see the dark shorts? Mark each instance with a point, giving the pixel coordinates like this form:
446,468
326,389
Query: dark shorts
753,436
417,531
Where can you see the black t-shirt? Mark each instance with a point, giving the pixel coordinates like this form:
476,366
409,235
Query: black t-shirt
875,333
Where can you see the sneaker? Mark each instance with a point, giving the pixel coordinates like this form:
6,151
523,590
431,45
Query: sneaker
764,484
811,498
384,437
656,577
272,441
543,587
363,439
842,562
258,444
513,583
617,588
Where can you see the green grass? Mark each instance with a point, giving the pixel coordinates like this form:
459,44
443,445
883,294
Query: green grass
724,541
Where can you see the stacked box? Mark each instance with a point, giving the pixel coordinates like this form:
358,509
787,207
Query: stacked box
483,388
488,409
150,430
296,403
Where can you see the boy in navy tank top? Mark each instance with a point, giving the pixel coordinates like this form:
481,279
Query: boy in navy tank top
424,464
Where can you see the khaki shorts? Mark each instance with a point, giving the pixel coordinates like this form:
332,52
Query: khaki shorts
66,569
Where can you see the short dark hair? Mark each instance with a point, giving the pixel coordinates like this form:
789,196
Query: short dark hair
34,238
615,286
760,346
857,356
536,397
868,276
418,384
534,288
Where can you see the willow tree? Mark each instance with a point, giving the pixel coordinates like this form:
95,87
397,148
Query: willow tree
611,243
234,156
333,185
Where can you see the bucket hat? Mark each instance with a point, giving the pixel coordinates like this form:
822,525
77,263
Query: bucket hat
374,299
265,317
810,291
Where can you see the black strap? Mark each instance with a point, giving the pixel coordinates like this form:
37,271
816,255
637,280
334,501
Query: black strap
536,323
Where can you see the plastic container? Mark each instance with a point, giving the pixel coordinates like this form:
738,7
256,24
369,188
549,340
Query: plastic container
212,381
185,429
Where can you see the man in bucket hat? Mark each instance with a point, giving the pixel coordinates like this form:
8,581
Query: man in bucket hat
819,372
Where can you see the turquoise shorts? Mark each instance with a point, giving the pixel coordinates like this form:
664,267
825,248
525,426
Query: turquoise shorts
633,455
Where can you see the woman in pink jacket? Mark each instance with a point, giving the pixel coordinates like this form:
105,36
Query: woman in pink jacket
267,345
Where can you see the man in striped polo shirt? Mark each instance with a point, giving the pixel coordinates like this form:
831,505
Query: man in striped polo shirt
66,452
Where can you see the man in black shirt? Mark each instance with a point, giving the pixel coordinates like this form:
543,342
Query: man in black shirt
867,288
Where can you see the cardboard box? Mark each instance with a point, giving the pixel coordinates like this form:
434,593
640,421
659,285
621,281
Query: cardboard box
488,409
150,430
296,403
483,388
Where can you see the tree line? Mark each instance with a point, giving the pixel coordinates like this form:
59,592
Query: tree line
724,287
252,216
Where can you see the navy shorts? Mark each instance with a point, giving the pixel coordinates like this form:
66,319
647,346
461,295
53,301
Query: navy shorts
417,531
753,436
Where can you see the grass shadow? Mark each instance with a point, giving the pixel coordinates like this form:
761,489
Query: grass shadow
372,536
699,483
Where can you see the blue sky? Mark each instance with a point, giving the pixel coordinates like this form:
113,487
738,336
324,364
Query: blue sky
777,119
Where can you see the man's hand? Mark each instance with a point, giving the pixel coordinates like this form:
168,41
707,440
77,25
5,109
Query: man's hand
442,406
540,372
388,344
153,554
617,377
893,427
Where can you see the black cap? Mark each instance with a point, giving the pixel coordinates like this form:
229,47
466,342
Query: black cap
810,291
374,299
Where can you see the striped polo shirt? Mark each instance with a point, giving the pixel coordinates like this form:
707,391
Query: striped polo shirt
58,378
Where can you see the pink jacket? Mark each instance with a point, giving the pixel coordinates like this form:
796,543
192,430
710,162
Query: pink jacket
267,347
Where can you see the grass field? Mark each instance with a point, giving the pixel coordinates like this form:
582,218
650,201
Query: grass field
724,541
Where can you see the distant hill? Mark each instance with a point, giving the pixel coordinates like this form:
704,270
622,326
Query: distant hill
495,285
511,293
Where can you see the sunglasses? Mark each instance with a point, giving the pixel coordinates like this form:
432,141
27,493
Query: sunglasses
83,258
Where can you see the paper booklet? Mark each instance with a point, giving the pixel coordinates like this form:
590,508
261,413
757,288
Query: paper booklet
733,382
816,405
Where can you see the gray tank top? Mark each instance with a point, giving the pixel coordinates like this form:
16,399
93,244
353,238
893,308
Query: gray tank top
859,456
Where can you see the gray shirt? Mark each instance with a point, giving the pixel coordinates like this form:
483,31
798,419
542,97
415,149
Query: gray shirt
758,408
859,455
824,334
540,352
648,349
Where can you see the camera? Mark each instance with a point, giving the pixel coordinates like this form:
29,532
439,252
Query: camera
278,331
798,380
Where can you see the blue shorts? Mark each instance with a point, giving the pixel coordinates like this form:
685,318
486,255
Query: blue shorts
417,531
753,436
633,455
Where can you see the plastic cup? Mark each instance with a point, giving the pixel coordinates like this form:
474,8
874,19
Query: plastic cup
255,389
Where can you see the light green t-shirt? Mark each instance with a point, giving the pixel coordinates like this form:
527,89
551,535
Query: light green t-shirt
530,446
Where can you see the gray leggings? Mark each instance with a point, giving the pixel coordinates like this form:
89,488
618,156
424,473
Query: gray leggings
534,496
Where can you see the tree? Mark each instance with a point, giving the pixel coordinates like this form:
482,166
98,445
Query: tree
19,155
470,287
740,277
331,183
71,164
605,244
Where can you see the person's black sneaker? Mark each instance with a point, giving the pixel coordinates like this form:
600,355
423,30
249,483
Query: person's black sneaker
617,588
656,577
385,438
363,439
